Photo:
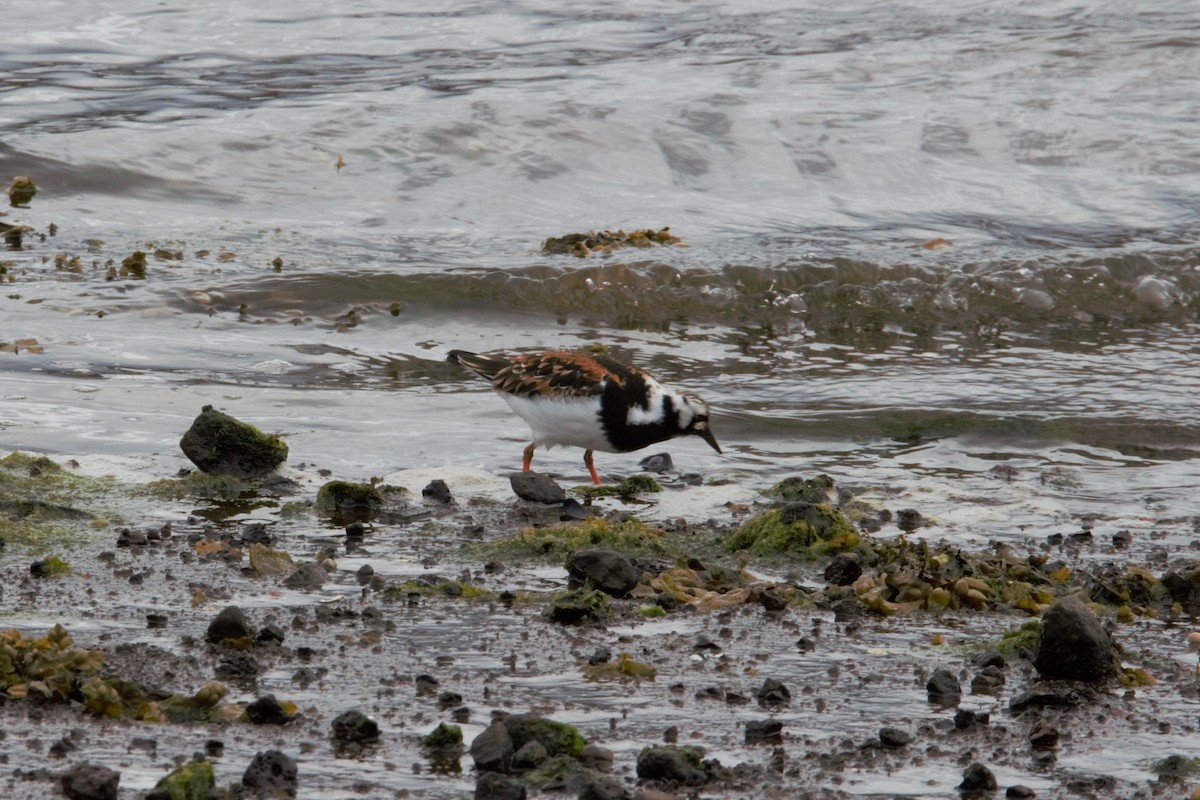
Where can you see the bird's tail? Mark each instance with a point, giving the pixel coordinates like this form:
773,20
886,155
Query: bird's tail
484,366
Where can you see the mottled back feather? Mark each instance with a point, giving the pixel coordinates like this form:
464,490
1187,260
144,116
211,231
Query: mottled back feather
559,373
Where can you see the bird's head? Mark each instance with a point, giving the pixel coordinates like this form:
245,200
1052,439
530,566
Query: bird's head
698,424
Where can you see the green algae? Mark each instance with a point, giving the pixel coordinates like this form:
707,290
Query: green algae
40,502
345,501
803,490
444,737
191,781
580,607
441,588
627,489
50,567
805,529
199,486
625,535
558,738
1020,641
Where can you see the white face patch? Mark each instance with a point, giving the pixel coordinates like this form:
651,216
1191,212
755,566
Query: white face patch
654,415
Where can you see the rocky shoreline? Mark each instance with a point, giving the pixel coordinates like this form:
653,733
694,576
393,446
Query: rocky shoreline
276,637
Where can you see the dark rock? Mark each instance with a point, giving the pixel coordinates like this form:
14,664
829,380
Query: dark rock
659,463
221,445
494,786
1020,792
843,570
537,488
669,765
978,778
448,699
767,731
1122,539
894,738
90,782
773,693
230,623
602,655
602,787
805,644
705,644
271,773
355,530
530,756
943,688
595,757
270,634
131,538
990,658
1053,697
364,574
573,510
257,533
909,519
266,710
354,727
771,600
606,570
156,620
988,680
1043,736
964,719
493,749
437,491
1073,645
306,577
237,666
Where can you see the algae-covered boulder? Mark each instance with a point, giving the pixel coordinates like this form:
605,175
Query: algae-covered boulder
221,445
800,528
192,781
558,738
347,502
21,191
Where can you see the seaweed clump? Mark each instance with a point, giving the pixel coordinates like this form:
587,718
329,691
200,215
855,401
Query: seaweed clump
581,245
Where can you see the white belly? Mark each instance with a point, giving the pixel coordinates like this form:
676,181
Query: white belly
572,421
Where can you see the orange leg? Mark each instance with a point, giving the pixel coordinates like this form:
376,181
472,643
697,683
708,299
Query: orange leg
528,462
587,462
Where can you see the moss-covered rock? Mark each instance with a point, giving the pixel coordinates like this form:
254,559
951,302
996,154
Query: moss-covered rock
345,502
807,529
558,738
219,444
444,737
192,781
580,607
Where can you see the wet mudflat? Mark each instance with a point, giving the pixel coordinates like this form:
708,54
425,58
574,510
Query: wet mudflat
745,672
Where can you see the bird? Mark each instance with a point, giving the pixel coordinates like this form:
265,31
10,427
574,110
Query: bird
588,400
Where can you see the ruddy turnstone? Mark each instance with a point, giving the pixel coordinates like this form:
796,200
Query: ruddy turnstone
570,397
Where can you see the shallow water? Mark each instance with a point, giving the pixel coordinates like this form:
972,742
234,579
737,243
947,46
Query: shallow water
1034,372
